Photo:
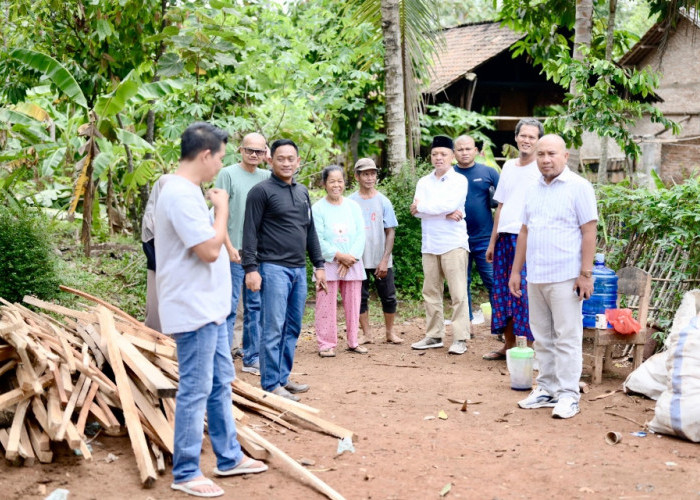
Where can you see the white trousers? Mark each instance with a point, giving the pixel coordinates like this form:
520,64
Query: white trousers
557,325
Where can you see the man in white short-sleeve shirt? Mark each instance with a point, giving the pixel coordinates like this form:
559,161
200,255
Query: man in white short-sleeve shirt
558,240
509,314
194,290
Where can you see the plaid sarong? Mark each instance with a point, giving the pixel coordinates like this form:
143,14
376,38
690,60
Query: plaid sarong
505,305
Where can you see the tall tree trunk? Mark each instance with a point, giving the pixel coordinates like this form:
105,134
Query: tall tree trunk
609,40
582,37
393,86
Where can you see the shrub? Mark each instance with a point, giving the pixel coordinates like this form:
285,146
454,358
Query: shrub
408,270
658,231
27,262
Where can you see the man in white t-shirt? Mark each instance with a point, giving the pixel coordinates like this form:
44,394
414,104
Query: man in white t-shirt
194,292
439,204
509,314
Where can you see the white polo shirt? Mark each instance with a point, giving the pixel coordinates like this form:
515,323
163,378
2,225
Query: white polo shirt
554,214
438,197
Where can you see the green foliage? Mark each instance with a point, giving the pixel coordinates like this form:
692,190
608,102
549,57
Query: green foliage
449,120
27,262
408,270
637,226
597,104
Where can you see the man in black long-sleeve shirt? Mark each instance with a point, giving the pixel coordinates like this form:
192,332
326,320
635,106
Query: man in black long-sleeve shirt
277,232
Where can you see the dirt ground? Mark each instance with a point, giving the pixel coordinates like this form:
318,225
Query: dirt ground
391,399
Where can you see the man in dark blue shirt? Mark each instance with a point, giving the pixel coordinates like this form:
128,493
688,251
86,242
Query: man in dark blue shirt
482,181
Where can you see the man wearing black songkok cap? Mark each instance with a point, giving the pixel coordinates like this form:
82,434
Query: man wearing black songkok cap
439,203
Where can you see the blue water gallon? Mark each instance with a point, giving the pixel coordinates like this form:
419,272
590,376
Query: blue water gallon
604,292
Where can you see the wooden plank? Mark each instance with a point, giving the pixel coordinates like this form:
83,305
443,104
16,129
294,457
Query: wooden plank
63,397
166,351
12,448
151,376
96,351
28,368
133,424
83,392
252,448
107,411
85,409
76,442
25,447
66,379
272,400
160,459
292,464
155,417
68,412
168,367
53,412
11,398
3,441
40,414
8,366
264,411
66,348
40,443
169,409
48,306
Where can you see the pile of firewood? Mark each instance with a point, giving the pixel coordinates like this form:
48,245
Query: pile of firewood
60,372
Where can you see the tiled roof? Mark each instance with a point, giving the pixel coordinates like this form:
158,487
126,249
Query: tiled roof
466,47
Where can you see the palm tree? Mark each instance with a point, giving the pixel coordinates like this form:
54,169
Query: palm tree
411,35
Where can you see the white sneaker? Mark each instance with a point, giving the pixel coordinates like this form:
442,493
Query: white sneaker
458,347
427,343
478,318
538,398
254,368
567,407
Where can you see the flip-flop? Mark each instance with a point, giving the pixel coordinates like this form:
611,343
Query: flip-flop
328,353
188,487
494,356
247,466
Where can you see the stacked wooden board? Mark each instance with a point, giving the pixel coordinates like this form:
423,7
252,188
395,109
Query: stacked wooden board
61,371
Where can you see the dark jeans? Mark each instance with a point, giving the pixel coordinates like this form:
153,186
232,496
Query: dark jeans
251,315
477,255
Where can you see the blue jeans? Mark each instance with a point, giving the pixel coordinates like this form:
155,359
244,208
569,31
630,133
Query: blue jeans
477,254
283,299
206,373
251,315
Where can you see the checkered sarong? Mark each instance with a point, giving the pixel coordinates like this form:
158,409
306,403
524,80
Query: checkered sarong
505,305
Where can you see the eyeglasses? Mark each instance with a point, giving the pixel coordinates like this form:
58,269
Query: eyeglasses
251,152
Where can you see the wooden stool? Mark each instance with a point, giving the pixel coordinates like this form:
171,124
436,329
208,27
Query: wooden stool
632,282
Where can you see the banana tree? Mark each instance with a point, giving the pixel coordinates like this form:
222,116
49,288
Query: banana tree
99,126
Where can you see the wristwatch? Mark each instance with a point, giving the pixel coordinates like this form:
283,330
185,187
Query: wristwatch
587,274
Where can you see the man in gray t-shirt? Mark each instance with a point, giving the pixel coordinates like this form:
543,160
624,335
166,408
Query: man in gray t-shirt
194,289
380,224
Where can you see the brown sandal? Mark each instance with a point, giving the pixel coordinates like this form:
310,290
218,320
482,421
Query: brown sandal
328,353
